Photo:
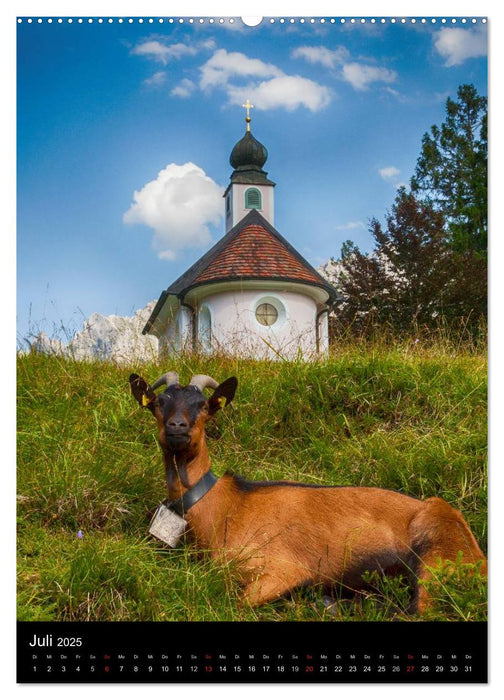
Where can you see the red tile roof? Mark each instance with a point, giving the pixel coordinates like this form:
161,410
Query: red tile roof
252,249
255,253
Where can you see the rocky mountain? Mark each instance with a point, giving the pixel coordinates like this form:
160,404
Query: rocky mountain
117,338
331,271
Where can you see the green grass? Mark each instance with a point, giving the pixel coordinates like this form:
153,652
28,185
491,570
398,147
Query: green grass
411,419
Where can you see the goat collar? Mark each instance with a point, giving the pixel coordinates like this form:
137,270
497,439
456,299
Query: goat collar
200,488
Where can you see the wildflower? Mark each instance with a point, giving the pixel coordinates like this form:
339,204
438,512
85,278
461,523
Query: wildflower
80,534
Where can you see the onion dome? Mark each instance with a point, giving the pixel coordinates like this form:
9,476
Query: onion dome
248,154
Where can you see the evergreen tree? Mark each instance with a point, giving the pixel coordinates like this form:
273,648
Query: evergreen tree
451,171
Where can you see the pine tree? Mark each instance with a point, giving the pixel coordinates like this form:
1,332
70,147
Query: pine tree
451,171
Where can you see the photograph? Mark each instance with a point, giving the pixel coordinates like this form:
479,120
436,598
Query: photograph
252,345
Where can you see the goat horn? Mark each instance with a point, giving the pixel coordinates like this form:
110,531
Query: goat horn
169,379
202,381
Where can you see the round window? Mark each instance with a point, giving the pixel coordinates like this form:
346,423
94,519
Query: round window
266,314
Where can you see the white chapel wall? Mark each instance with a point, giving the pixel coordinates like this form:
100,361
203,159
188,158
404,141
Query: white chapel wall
235,329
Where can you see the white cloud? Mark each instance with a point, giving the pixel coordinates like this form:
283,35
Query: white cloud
266,85
320,54
158,51
209,44
222,66
287,91
167,255
360,75
184,89
156,80
389,173
394,93
456,45
179,205
350,226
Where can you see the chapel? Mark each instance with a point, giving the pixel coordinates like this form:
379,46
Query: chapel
252,294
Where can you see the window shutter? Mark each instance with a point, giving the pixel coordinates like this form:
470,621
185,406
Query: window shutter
252,199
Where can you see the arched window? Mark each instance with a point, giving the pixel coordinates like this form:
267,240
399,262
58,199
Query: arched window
205,328
253,198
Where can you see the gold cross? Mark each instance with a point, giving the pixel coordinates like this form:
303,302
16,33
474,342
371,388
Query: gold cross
248,107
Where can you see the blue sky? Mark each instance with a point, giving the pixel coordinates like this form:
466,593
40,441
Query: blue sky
125,129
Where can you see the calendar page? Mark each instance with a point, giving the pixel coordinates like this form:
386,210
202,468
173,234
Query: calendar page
252,349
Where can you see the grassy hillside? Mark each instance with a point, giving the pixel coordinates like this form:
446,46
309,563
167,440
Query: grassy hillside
412,420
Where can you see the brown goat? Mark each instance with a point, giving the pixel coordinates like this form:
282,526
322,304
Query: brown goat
282,535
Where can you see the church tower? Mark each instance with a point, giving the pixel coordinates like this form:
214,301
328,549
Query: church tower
249,187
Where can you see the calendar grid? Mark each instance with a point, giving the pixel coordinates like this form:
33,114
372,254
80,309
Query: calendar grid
252,652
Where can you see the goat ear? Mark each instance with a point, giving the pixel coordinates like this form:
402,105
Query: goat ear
142,391
223,395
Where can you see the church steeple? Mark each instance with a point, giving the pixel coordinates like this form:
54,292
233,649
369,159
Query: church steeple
249,187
